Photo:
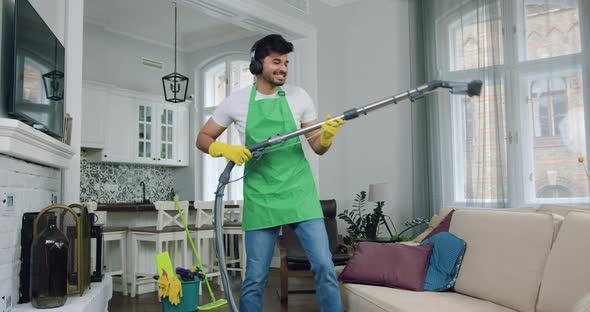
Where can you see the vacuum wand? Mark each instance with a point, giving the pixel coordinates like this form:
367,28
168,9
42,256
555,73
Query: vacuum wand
470,89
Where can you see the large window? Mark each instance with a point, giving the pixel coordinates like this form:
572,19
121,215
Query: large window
532,106
220,79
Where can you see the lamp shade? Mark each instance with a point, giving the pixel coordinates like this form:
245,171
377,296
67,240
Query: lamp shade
175,87
379,192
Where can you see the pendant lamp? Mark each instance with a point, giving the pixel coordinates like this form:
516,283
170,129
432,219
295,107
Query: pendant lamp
175,85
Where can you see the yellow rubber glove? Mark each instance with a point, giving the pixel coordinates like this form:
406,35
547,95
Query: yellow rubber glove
329,131
175,291
163,285
236,153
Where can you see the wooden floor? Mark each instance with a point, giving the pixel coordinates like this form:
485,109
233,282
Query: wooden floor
297,302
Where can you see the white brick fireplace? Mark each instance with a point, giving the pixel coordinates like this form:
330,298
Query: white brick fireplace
31,166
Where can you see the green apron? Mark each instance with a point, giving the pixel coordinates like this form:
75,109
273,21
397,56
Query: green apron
279,187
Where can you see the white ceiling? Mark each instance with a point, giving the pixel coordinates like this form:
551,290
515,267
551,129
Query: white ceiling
153,21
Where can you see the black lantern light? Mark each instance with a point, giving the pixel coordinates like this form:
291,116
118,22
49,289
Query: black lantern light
53,81
175,85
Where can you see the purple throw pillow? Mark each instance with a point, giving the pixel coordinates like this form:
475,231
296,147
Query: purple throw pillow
443,226
388,264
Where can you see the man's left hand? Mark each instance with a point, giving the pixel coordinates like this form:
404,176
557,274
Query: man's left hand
329,130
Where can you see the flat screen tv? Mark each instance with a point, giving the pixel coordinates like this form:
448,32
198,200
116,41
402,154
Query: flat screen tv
33,68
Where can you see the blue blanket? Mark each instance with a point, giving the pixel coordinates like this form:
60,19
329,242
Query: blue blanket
445,261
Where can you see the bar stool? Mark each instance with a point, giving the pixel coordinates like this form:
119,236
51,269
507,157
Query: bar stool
232,227
118,234
168,229
203,235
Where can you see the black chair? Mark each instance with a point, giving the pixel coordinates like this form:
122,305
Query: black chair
294,263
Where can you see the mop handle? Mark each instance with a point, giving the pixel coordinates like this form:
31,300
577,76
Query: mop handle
190,239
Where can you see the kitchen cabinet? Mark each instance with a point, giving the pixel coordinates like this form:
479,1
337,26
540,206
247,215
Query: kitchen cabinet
136,127
94,101
161,133
115,119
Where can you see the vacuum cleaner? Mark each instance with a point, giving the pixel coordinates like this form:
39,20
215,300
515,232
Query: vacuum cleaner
470,89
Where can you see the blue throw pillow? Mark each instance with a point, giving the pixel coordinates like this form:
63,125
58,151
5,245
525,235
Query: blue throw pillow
445,261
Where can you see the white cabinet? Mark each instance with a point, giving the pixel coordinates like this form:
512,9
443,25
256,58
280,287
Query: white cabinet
94,104
125,126
115,115
144,131
119,135
161,133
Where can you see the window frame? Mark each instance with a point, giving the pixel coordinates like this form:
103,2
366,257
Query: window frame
202,111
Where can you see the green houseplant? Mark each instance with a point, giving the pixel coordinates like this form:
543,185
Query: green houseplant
363,225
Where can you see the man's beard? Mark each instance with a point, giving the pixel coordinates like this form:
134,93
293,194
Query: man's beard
273,82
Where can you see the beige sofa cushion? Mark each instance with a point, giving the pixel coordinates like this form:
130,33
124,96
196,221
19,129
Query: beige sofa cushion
567,273
561,210
366,298
505,255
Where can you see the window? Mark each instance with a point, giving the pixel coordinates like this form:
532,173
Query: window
542,62
549,100
475,129
221,78
551,28
474,33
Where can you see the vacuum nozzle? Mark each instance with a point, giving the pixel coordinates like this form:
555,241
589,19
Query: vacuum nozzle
470,89
474,88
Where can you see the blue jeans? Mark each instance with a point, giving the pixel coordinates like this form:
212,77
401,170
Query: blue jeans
259,250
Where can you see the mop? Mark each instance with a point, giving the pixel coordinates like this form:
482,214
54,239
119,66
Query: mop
470,89
215,303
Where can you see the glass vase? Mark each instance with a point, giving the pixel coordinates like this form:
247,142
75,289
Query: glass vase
49,257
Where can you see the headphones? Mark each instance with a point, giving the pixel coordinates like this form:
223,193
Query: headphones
255,65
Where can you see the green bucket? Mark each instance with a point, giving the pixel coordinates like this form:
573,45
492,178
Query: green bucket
189,300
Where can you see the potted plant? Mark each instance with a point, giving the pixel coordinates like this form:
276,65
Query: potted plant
363,225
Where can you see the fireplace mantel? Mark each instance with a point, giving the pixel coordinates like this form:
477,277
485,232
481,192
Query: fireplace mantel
21,141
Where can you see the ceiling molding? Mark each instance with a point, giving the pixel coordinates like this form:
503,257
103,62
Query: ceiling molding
335,3
108,28
201,42
255,16
197,42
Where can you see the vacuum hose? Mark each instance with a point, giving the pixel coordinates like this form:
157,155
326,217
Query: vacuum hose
470,89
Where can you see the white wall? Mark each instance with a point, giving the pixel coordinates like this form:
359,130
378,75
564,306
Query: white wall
73,33
363,56
115,58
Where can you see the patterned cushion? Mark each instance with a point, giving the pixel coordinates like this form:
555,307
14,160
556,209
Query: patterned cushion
445,261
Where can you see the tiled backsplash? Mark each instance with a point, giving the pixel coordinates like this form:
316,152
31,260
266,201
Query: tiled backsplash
109,183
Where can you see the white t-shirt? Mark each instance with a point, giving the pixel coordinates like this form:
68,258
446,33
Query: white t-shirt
234,108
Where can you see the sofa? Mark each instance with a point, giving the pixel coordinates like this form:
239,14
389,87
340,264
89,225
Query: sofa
531,259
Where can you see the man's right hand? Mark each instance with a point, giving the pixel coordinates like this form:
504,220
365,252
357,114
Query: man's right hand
236,153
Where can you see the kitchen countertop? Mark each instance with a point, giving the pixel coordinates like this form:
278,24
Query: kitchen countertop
139,207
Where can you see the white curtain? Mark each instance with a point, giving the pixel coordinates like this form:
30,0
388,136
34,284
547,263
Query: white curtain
518,143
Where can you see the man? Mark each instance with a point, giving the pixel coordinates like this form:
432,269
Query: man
278,188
